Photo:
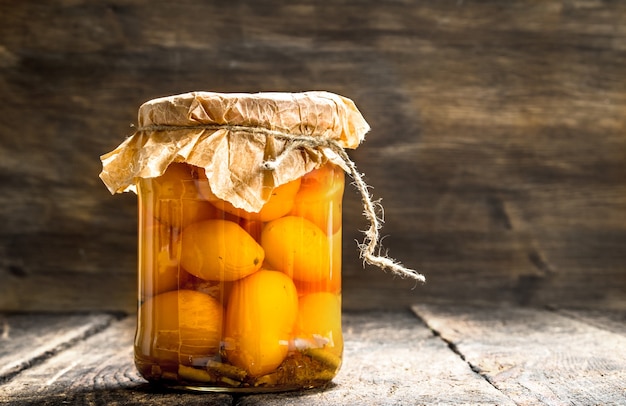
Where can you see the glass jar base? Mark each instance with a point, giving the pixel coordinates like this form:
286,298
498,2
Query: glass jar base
190,379
197,388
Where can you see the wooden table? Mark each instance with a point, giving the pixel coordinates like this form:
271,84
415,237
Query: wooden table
434,354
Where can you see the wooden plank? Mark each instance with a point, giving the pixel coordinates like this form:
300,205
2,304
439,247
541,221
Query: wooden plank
29,339
493,127
392,359
611,320
535,356
98,370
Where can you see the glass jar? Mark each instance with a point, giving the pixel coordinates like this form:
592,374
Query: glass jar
232,300
240,236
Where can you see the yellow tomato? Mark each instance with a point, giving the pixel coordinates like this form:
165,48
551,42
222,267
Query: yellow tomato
158,262
171,183
320,196
260,316
158,274
298,248
219,250
319,321
180,325
174,199
332,283
279,203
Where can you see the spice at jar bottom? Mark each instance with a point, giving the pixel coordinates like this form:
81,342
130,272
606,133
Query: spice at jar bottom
240,237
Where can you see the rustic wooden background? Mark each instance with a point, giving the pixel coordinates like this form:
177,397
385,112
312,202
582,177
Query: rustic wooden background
498,140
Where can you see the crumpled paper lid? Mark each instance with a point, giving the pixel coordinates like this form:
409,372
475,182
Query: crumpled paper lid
237,138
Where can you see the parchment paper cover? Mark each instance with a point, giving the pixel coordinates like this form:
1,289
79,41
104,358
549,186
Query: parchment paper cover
231,136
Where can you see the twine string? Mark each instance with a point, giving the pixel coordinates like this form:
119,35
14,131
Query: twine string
371,242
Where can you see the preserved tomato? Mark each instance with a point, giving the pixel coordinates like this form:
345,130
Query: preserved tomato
239,301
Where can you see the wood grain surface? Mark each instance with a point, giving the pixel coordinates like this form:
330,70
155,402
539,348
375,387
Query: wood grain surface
27,339
535,356
391,358
96,371
498,140
448,355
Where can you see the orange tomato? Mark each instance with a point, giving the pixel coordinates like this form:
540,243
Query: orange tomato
219,250
319,321
320,196
158,263
279,204
331,283
180,325
260,316
297,247
174,199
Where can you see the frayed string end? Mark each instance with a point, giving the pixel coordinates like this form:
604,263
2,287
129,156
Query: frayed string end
372,238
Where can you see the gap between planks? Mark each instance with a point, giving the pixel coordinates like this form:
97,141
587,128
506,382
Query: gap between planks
538,356
29,339
459,355
390,358
453,347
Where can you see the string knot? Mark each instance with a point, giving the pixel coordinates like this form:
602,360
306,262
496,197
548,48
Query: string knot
371,243
269,165
372,237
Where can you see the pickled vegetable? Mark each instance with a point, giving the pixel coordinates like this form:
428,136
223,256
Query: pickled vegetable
240,300
279,204
219,250
297,247
178,204
332,281
260,317
159,241
319,322
319,198
180,325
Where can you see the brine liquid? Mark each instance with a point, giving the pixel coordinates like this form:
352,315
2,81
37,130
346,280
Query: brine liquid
238,301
